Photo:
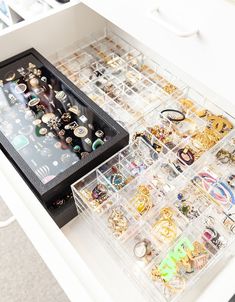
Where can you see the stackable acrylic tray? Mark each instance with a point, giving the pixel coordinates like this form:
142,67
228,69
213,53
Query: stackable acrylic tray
165,218
167,221
116,76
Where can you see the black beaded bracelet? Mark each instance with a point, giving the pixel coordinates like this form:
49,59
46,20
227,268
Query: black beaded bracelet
180,117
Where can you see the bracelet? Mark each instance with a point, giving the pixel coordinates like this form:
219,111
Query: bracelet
173,118
186,156
210,183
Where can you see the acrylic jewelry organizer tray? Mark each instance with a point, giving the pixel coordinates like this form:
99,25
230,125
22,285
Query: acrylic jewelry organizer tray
163,205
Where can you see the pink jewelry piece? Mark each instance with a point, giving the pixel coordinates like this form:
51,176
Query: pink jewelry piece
210,183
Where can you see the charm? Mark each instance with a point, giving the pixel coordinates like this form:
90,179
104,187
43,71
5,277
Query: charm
83,118
117,222
66,117
231,181
142,200
71,126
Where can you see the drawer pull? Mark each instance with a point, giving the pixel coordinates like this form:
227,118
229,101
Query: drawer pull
156,15
7,222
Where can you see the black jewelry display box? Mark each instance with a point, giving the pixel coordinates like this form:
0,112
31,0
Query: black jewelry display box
51,131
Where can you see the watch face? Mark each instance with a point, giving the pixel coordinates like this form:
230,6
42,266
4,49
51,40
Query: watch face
44,121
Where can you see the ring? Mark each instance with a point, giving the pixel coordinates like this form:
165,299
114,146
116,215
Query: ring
76,149
43,131
34,102
142,249
99,133
75,110
97,143
20,88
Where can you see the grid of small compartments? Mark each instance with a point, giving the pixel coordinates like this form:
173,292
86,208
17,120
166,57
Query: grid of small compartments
166,226
164,205
118,77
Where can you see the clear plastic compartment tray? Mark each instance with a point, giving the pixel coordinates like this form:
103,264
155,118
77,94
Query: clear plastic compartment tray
117,76
168,222
164,205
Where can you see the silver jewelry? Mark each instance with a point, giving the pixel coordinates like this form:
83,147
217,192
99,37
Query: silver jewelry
44,79
71,126
83,118
54,123
10,76
37,122
88,141
99,133
61,95
20,88
34,102
142,249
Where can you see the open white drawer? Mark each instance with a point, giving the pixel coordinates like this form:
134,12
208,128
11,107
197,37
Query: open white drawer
75,254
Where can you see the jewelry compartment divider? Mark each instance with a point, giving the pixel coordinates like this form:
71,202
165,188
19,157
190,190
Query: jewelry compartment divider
113,175
112,67
144,202
177,269
163,224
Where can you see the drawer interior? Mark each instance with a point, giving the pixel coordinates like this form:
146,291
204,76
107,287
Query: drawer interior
78,28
